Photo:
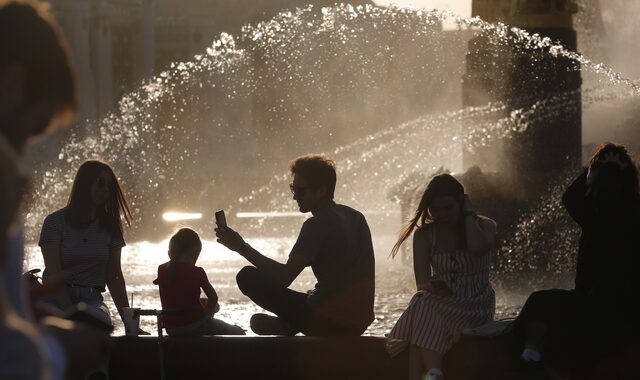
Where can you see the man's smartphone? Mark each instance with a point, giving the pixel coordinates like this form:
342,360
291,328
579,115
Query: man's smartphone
221,220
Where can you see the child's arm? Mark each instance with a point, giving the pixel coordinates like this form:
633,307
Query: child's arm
211,307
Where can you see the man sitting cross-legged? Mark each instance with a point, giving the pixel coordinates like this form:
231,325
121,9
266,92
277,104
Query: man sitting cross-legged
335,242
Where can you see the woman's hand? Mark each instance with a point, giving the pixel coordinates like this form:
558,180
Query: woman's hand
439,291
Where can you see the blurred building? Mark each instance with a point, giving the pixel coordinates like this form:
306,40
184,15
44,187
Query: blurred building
520,78
526,13
113,46
119,43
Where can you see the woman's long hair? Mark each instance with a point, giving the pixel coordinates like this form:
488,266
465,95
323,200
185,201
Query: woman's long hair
110,214
440,185
181,243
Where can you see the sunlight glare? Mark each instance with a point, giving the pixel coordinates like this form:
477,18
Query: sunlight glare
172,216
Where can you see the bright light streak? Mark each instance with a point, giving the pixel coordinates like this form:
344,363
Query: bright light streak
284,214
270,214
178,216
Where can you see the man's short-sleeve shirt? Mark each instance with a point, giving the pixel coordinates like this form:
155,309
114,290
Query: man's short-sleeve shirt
337,242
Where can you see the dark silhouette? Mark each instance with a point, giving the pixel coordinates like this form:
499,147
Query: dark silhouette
572,331
180,281
84,240
452,248
335,242
37,93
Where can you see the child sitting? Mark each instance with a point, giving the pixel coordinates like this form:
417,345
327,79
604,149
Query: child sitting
180,281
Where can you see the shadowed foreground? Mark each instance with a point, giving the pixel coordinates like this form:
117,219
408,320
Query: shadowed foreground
336,358
230,357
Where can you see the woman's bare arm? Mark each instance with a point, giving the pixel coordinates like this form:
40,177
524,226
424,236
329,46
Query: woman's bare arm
53,265
481,234
421,258
115,280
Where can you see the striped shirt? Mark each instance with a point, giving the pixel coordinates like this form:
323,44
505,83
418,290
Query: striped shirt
84,251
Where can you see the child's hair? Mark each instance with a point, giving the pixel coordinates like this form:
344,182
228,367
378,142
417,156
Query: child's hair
182,242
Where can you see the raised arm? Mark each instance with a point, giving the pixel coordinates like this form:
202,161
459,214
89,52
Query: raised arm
480,231
283,273
481,234
115,280
575,198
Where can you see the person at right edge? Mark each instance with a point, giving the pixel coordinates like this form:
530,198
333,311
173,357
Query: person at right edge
335,242
572,333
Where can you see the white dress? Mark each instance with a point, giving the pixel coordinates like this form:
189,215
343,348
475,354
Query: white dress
435,322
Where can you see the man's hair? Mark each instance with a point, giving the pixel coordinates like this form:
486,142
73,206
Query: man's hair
30,38
183,242
317,170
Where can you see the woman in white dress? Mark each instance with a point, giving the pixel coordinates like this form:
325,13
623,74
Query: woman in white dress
452,250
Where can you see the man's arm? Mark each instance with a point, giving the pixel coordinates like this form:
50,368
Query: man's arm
283,273
212,306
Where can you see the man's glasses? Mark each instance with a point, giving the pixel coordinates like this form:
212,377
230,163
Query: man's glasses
297,190
103,183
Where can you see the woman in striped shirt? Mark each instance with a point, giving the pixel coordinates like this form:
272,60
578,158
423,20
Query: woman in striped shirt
452,249
83,240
